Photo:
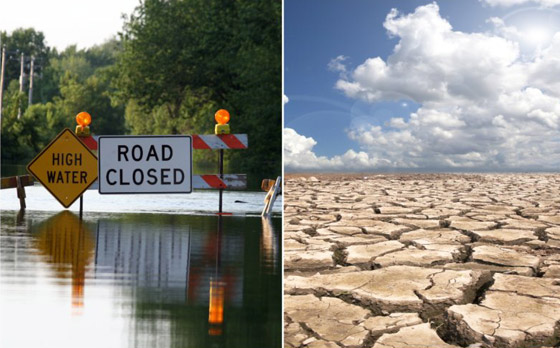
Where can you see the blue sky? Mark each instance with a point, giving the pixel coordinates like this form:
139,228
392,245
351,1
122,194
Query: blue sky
466,61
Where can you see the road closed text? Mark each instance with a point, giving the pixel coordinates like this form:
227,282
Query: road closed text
145,164
152,176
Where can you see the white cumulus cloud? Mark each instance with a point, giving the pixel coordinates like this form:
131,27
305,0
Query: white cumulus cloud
483,106
337,64
433,63
299,156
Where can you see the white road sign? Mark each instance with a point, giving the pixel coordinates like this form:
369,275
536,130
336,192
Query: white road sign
145,164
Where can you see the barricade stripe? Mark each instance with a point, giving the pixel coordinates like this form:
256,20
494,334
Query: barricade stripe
232,141
213,142
243,138
198,183
214,181
199,144
89,142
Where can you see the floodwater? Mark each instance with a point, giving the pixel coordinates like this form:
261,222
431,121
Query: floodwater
139,280
198,202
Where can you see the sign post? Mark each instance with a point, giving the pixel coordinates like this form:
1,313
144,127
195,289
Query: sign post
222,127
145,164
66,167
82,130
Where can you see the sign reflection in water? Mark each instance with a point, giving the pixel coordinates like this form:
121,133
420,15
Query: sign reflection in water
67,242
188,281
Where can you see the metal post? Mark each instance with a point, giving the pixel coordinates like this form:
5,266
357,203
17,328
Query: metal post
271,197
19,217
20,193
81,205
31,82
20,83
221,177
2,80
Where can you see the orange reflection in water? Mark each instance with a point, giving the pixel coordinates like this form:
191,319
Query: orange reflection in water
66,241
216,307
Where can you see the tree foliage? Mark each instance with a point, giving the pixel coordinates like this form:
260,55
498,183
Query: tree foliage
72,81
26,41
189,58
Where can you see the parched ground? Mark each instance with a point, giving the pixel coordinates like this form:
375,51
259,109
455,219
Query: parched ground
416,260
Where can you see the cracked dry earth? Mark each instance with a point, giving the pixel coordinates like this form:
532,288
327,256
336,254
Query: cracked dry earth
422,261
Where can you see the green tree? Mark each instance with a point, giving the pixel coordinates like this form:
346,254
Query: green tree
207,54
24,137
94,96
72,81
81,63
27,41
157,61
256,96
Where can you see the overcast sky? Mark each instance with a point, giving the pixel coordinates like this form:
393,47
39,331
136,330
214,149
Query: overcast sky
66,22
449,85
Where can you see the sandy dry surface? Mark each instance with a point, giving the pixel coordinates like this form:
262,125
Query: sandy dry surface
422,260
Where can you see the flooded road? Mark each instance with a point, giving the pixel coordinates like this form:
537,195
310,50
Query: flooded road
198,202
139,280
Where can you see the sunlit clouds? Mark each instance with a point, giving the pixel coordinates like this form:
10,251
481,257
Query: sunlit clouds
485,102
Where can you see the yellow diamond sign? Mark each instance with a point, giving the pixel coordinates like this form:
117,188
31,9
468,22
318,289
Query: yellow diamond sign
66,167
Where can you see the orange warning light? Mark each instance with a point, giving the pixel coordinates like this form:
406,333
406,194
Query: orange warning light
222,116
83,119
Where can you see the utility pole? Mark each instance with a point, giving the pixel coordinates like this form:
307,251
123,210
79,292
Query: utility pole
31,82
20,83
21,73
2,80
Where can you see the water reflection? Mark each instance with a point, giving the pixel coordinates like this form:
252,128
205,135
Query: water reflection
144,280
66,242
216,307
269,246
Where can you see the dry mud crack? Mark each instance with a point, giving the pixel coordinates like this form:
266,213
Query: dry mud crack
422,260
